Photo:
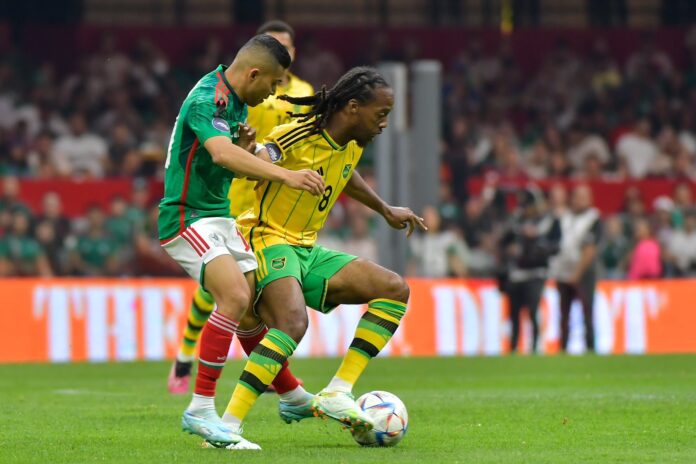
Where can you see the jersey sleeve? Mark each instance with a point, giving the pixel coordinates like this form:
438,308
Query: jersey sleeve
274,147
202,121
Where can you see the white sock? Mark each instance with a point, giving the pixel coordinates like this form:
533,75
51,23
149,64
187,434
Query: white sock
296,396
201,403
229,419
184,358
339,385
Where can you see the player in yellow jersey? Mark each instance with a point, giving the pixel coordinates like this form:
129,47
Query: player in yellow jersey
263,118
294,272
271,113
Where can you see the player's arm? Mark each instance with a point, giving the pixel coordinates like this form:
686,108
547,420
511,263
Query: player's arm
234,158
396,216
216,140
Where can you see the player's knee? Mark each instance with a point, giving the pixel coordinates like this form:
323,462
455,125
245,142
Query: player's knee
397,288
233,302
296,326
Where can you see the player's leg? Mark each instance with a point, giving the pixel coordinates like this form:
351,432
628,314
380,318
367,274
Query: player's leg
336,278
295,402
202,305
386,294
281,304
207,257
225,281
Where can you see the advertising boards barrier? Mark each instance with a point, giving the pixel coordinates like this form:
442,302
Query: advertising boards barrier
62,320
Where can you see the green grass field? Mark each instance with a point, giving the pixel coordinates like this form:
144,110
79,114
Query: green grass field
468,410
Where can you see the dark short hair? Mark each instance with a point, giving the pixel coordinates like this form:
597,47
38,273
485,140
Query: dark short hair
272,46
276,25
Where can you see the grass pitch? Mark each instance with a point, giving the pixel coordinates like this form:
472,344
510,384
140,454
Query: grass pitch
499,410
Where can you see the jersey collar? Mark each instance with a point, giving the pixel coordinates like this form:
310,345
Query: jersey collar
331,141
222,68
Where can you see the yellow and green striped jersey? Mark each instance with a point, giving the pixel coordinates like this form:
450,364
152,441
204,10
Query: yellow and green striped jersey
282,215
264,117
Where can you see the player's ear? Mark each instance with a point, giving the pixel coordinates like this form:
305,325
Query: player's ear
353,105
254,73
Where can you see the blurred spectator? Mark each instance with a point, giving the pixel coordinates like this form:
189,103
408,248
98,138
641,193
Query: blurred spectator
40,160
681,248
436,253
574,266
637,152
80,153
682,202
52,246
53,213
614,249
359,242
645,259
150,257
22,253
10,202
94,253
317,65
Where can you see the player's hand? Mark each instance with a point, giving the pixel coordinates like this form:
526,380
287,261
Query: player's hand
247,138
401,218
305,179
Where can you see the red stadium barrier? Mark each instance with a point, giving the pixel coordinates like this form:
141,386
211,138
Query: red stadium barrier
64,320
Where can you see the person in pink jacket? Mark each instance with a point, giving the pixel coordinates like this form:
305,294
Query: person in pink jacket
645,261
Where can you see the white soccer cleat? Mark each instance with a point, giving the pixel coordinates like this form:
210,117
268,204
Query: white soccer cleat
341,406
208,425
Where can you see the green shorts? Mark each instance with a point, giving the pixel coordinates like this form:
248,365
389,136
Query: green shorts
311,266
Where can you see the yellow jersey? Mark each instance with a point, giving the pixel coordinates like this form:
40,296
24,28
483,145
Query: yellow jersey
282,215
264,117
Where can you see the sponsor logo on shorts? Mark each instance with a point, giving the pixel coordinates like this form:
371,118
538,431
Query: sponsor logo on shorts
221,125
278,263
346,170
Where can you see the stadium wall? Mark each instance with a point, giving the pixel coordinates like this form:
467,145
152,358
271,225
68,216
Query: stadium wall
65,320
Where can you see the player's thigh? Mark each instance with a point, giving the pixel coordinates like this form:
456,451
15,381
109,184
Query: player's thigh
225,281
279,299
281,305
361,281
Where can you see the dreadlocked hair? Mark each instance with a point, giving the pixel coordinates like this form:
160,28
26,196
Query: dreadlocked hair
358,84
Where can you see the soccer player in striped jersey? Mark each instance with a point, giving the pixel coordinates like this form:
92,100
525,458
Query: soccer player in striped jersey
294,272
264,117
210,143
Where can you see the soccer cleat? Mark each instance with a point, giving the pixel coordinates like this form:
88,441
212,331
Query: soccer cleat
296,412
179,378
209,426
341,407
242,445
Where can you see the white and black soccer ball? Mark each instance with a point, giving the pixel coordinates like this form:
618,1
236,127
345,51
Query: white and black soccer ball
389,415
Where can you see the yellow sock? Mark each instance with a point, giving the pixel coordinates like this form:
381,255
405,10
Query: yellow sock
374,331
262,367
202,306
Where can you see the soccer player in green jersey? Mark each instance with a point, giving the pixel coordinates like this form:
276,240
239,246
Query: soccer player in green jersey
210,143
294,272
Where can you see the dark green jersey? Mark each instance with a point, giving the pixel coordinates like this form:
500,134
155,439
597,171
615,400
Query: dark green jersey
96,251
194,186
23,252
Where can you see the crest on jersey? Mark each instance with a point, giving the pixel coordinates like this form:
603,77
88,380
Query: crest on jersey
278,263
274,152
346,170
221,125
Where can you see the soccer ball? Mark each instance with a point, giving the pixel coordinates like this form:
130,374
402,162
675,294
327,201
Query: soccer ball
389,415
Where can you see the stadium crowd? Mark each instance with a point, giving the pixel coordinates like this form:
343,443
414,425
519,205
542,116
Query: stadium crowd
581,116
